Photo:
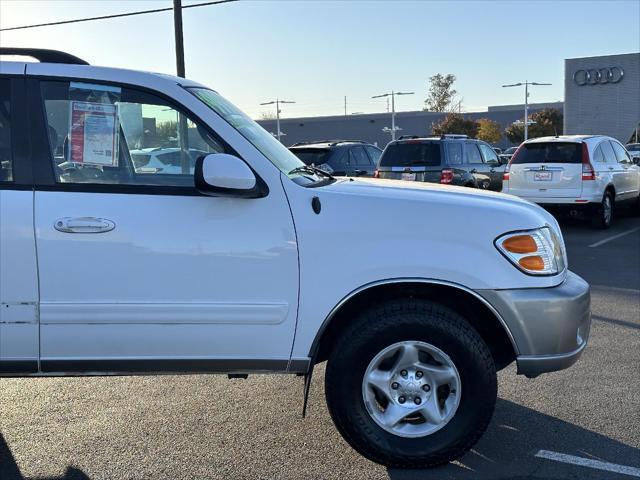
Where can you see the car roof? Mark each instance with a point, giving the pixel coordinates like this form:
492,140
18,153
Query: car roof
327,144
564,138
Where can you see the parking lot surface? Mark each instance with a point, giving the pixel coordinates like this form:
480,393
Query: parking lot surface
579,423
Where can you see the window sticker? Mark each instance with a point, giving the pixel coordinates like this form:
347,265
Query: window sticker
93,133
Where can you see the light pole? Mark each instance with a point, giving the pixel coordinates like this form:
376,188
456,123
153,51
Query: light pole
526,102
393,111
277,103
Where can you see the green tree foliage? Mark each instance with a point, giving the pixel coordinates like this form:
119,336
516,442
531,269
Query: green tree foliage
548,123
455,123
489,130
441,93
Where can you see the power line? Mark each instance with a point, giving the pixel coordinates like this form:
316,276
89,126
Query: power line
117,15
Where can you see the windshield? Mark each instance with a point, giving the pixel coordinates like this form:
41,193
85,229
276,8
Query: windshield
269,146
405,154
552,152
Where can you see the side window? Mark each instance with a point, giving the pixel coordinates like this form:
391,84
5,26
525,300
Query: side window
6,170
607,152
488,153
374,154
621,154
454,153
359,157
338,158
111,135
598,156
472,153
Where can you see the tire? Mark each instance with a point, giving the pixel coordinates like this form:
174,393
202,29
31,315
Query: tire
603,214
424,323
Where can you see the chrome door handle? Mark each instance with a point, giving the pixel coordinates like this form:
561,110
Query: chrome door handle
83,225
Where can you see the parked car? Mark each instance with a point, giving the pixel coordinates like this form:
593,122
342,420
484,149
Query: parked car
339,157
166,161
448,159
634,152
225,271
498,150
591,174
507,154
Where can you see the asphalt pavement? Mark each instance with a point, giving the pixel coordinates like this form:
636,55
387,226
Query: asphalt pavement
583,422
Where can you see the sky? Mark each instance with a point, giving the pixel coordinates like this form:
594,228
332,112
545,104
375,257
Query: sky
317,52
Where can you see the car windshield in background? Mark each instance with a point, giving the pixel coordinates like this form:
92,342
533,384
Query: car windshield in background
409,154
315,156
552,152
634,147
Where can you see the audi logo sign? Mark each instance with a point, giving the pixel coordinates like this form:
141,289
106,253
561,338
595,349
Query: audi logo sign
598,76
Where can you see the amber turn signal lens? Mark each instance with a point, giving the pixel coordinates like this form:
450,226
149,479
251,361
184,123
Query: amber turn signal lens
520,244
534,262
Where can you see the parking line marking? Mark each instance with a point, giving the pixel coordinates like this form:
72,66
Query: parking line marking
602,242
586,462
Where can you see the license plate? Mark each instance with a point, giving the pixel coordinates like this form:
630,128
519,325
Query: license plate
408,176
542,176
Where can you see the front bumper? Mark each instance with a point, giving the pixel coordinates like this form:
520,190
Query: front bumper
549,326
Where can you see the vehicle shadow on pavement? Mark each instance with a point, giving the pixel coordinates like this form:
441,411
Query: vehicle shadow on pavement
507,450
9,468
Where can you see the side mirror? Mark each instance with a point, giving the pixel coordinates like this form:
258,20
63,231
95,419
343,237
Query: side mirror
223,175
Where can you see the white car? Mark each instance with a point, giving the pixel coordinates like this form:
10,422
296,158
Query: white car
634,152
109,269
589,173
166,161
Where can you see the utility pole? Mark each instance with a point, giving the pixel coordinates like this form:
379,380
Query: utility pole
177,24
345,105
526,102
393,111
277,103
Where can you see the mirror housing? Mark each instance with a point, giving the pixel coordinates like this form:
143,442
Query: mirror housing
224,175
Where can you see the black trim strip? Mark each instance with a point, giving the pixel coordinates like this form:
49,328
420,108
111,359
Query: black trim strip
130,366
18,367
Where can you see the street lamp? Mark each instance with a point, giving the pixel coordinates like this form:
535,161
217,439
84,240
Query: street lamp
526,102
277,103
393,128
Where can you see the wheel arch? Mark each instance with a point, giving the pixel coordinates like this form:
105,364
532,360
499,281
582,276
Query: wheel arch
475,309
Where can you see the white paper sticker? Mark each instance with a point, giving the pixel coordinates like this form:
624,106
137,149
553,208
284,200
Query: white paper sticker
93,136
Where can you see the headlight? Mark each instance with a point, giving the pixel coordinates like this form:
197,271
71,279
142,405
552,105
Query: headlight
535,252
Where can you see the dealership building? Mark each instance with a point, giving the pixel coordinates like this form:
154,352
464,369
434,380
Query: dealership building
602,96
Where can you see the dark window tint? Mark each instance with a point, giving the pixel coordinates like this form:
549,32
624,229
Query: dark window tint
406,154
374,153
552,152
488,153
359,157
634,147
472,153
316,156
6,172
454,153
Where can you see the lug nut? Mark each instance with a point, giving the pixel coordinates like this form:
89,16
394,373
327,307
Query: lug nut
418,400
403,373
426,387
418,374
395,385
402,399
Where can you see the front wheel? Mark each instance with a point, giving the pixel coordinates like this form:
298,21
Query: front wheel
411,384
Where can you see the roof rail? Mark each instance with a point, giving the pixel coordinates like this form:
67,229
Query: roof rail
330,142
44,55
405,137
453,135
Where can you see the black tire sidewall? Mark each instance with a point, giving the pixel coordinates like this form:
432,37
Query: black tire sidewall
478,389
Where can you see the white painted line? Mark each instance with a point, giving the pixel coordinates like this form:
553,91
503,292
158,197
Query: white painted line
602,242
587,462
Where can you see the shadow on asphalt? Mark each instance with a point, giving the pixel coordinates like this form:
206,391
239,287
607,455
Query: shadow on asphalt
614,321
514,436
9,468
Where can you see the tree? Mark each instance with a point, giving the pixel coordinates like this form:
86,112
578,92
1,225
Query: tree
489,130
455,123
441,94
267,116
548,122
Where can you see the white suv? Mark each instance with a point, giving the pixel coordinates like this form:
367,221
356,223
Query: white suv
592,173
106,268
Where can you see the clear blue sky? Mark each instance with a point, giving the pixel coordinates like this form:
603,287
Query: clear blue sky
317,52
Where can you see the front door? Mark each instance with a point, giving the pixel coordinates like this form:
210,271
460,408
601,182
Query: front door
476,165
140,272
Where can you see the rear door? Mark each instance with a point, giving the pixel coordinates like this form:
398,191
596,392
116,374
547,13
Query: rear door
547,170
374,155
18,269
361,164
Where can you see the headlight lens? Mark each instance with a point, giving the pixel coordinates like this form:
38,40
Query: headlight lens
535,252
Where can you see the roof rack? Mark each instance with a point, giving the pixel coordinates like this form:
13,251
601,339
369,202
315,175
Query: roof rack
44,55
330,142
